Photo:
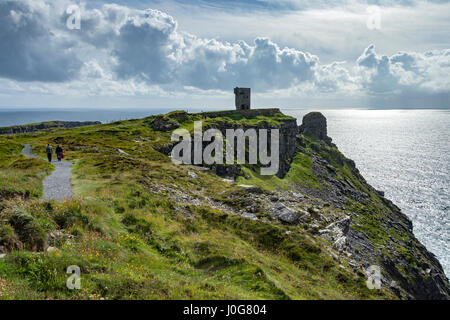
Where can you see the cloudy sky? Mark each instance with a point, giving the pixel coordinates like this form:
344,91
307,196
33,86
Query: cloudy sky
292,53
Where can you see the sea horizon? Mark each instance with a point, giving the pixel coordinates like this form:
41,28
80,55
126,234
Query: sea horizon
26,115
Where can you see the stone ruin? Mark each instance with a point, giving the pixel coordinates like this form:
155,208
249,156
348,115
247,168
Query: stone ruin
242,96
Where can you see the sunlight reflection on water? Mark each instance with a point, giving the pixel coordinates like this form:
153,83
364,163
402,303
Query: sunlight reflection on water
405,153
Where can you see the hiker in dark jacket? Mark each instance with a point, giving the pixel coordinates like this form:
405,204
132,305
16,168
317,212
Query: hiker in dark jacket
49,151
59,152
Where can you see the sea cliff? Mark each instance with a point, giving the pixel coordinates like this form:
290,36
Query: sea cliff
45,126
141,226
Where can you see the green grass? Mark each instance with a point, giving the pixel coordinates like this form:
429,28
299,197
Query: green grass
133,242
301,172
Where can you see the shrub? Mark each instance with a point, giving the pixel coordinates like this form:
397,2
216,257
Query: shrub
129,241
69,215
40,271
29,230
8,238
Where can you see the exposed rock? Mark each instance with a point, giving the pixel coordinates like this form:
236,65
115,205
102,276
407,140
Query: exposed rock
123,153
245,186
331,169
296,195
341,226
284,214
315,226
274,198
287,128
198,168
52,249
54,237
249,215
304,215
230,171
193,175
2,255
165,148
422,279
349,236
178,116
315,124
288,131
337,232
164,123
185,212
288,146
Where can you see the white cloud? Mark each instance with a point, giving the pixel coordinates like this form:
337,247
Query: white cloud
122,51
404,72
30,50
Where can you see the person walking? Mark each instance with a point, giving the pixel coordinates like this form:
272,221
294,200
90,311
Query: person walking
49,151
59,152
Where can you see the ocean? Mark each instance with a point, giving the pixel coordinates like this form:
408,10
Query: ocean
10,117
405,153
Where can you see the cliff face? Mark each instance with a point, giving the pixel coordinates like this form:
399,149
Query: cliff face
242,119
373,230
315,124
45,126
365,230
287,129
142,226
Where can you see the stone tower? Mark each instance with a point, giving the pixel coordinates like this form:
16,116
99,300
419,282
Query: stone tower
242,98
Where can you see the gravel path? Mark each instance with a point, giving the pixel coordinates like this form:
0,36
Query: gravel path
57,186
26,151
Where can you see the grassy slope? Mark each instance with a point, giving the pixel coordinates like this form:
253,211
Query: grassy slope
133,242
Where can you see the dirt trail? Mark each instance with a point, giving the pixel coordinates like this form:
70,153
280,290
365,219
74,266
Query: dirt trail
57,186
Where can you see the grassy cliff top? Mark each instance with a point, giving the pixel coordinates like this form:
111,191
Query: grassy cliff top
141,227
47,125
244,118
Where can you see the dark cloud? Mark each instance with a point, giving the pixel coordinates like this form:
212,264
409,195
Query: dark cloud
150,47
30,50
143,47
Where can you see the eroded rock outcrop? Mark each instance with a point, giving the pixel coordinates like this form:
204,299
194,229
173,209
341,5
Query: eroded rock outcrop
315,124
164,123
283,213
374,231
363,228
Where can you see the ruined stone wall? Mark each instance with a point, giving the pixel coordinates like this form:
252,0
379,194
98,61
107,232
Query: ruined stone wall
245,113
